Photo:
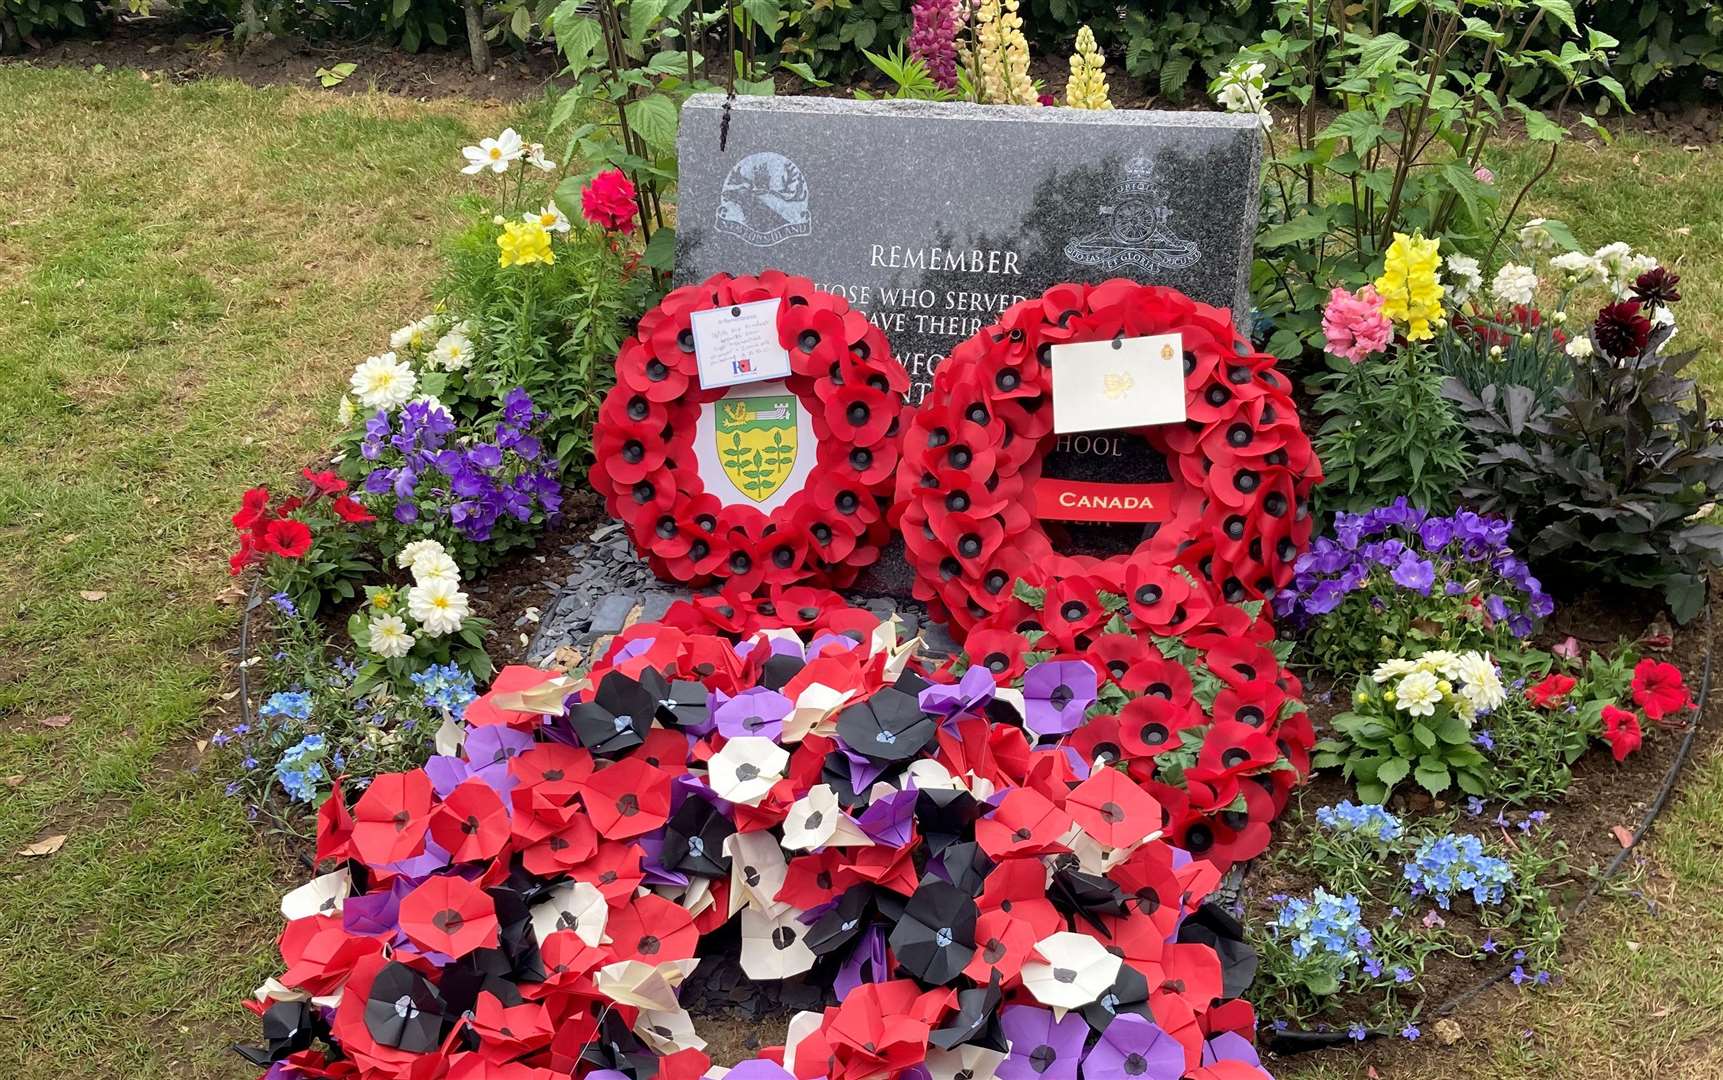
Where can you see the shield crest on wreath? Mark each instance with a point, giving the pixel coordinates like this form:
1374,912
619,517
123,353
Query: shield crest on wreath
756,442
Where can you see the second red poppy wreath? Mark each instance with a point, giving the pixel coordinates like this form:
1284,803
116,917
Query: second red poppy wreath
796,513
1241,467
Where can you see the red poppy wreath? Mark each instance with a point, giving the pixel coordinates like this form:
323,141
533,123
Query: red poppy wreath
842,374
1241,467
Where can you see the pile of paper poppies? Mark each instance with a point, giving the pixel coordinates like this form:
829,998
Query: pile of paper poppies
1184,691
980,893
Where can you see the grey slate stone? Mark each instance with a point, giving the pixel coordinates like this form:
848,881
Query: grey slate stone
933,217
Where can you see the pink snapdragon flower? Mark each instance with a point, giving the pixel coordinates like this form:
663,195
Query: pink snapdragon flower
1354,324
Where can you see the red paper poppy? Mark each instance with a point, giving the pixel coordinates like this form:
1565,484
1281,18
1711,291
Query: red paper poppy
652,930
510,680
1003,941
390,819
812,880
449,915
334,825
562,849
628,799
1113,809
471,823
1238,460
845,378
1024,823
614,869
319,954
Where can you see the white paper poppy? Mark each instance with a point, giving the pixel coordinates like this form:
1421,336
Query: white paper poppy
1070,971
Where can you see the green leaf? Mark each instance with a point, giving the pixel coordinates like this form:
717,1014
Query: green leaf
1426,738
1393,771
1380,53
1175,73
1562,10
768,15
1433,780
578,35
1027,593
654,119
641,15
660,251
1306,226
520,23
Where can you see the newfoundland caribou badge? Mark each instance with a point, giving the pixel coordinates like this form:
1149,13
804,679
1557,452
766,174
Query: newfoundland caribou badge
764,200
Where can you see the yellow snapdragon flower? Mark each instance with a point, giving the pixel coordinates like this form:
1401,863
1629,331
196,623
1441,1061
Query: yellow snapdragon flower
1411,293
523,242
1088,86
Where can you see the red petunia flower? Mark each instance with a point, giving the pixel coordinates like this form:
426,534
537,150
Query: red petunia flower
1659,690
1552,692
608,201
253,508
1621,728
350,510
285,537
326,482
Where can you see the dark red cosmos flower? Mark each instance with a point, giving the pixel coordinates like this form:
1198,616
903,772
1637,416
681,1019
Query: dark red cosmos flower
1551,692
1621,728
1658,688
1621,331
1657,287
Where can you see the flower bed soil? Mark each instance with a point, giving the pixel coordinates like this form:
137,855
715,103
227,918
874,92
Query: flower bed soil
1604,806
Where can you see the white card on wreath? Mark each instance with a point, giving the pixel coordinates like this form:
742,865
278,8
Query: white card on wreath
1119,383
739,344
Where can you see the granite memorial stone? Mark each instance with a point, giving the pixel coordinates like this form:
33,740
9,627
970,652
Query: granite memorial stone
932,218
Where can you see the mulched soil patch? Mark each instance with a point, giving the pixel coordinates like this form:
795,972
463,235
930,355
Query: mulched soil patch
1603,798
184,54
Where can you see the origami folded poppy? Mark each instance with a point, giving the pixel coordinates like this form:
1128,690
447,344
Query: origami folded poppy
843,922
1003,941
694,840
935,938
1133,1046
403,1010
876,1032
1024,823
1019,888
887,727
1129,995
512,679
616,719
1056,694
289,1027
758,711
391,818
627,799
746,769
975,1022
1114,810
471,822
1068,970
449,915
1212,927
1042,1048
576,906
774,946
652,930
1084,895
816,820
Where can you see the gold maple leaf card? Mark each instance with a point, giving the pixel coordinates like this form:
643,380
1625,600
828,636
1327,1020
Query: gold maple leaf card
1118,383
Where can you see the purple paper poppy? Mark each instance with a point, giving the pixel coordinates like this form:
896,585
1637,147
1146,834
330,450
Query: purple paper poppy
489,748
377,914
1056,693
971,694
754,712
1134,1046
887,820
758,1069
866,963
1042,1049
1231,1046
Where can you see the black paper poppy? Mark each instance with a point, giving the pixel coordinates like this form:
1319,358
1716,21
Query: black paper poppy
889,726
935,938
404,1010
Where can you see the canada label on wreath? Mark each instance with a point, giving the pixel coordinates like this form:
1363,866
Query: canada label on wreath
755,446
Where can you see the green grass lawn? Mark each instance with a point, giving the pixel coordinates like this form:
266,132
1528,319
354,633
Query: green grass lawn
187,274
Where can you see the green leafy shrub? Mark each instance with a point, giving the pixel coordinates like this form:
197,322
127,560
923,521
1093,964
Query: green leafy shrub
29,18
1612,481
1388,432
1418,117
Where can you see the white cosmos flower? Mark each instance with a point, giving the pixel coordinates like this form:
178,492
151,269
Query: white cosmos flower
1580,348
415,336
551,218
535,157
493,154
436,566
383,382
1514,284
389,637
1418,694
1242,89
1467,277
1621,266
409,556
439,607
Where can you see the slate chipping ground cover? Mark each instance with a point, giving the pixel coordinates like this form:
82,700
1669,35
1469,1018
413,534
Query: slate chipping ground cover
186,274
